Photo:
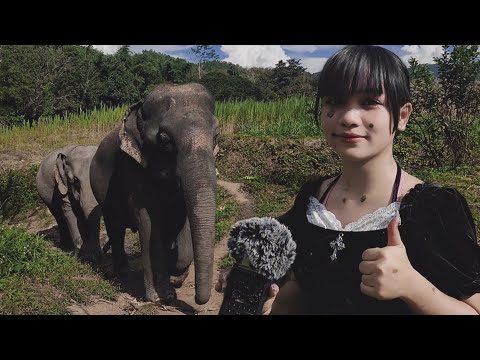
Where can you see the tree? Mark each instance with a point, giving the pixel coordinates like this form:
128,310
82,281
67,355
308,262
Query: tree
230,87
445,112
203,53
288,78
27,79
122,85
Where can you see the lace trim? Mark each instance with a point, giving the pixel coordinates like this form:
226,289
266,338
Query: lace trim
317,214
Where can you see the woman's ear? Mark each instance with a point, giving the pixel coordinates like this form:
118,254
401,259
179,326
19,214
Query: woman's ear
405,112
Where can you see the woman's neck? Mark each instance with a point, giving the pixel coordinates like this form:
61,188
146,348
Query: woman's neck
360,178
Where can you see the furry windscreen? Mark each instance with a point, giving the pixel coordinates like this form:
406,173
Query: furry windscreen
266,243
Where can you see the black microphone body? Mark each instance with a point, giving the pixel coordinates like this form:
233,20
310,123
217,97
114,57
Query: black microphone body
264,250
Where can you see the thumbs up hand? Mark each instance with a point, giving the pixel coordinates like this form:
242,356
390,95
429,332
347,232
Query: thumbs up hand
387,272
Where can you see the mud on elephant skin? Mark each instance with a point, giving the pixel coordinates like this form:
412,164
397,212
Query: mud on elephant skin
155,173
63,183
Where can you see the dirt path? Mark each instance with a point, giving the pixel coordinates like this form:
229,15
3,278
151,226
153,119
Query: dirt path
129,303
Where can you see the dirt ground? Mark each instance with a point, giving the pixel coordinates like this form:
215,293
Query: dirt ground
129,302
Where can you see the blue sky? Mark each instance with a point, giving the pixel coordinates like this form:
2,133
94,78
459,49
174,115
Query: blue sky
312,57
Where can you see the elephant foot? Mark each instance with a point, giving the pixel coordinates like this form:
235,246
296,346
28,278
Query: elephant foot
177,281
67,246
166,290
169,296
151,295
90,256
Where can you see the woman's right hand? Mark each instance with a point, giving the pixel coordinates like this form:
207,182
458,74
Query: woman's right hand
272,292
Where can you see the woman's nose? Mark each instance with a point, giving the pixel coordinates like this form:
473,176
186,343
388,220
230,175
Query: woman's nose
351,117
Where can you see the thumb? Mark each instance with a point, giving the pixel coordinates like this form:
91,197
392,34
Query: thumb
394,238
272,294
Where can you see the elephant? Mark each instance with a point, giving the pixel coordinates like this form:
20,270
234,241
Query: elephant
63,183
155,173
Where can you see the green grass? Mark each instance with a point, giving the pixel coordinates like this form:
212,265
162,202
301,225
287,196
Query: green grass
227,212
38,279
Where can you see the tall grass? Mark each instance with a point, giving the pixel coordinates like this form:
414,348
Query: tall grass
84,127
290,117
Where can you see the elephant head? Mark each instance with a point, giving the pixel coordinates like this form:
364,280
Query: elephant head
172,134
71,175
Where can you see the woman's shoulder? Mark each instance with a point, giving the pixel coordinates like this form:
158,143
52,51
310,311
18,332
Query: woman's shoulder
314,186
427,195
309,188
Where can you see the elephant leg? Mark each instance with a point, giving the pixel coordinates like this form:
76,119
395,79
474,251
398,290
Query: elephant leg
181,256
145,235
66,242
91,250
161,238
116,235
72,223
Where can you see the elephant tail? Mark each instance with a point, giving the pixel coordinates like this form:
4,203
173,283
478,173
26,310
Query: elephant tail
107,246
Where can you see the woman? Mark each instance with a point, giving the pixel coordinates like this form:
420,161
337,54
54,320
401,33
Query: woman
375,239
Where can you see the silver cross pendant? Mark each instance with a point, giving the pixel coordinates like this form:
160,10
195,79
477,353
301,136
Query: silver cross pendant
337,245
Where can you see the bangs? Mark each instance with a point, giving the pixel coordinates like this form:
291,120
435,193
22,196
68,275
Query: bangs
352,74
365,69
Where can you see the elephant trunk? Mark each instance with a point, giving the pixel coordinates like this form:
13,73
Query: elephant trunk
199,186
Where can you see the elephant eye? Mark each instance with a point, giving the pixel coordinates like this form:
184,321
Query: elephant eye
163,138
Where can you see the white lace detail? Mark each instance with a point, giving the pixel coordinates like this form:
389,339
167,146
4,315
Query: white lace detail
317,214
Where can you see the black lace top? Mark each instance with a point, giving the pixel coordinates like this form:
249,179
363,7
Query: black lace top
437,230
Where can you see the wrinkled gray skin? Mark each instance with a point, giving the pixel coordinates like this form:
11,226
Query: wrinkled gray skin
63,183
155,173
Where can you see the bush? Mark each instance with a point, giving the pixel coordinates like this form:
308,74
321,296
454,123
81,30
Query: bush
18,191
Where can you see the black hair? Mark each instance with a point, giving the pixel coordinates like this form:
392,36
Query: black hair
366,69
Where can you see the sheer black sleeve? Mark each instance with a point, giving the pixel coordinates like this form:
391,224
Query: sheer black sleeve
451,256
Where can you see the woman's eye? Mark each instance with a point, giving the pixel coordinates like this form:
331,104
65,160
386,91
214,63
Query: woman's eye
331,101
372,102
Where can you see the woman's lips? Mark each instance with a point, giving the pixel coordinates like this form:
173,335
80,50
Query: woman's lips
350,138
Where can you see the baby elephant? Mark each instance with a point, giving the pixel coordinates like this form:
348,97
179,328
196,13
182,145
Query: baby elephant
63,183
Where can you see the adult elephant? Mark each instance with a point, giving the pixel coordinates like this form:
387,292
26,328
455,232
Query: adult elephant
63,183
155,173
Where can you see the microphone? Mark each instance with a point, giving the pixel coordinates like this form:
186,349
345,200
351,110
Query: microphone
263,250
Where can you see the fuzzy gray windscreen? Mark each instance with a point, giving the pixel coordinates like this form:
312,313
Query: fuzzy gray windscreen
266,243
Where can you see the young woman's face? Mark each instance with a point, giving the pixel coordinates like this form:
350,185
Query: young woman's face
359,127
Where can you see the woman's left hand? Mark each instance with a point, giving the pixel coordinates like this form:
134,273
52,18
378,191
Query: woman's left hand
387,272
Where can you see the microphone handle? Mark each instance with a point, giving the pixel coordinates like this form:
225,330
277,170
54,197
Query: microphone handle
245,293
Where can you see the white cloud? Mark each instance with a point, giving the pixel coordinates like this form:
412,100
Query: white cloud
310,48
313,64
423,53
254,55
160,48
107,49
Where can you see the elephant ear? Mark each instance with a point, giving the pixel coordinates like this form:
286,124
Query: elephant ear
127,139
59,174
